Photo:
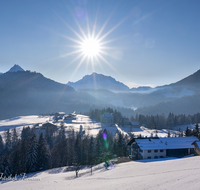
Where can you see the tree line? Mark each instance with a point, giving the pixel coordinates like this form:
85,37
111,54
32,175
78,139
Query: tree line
36,150
162,122
149,121
97,113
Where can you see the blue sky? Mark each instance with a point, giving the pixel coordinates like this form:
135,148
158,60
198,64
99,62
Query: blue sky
155,42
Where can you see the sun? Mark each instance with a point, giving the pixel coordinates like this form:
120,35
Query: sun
91,47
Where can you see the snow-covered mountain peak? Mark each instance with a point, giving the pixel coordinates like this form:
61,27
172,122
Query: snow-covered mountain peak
98,81
15,68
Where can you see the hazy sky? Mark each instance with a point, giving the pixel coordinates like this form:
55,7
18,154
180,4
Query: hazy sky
147,42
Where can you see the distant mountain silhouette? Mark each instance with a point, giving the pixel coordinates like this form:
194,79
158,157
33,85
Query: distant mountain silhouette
141,88
192,80
25,93
98,81
16,68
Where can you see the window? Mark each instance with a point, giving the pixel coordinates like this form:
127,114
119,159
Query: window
155,150
141,150
155,157
149,151
149,157
161,150
161,157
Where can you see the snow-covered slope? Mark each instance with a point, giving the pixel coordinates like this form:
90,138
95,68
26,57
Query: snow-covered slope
15,68
98,81
157,174
81,122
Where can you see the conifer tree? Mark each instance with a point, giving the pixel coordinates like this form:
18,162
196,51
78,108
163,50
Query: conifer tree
14,138
196,130
77,149
187,132
8,142
22,155
91,153
31,159
44,155
1,146
15,160
5,167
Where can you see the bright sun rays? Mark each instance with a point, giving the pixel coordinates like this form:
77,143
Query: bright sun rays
90,46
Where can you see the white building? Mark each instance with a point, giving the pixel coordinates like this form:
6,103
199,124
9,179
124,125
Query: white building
107,118
153,148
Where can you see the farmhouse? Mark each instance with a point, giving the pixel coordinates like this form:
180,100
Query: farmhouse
153,148
71,116
125,121
135,124
61,114
107,118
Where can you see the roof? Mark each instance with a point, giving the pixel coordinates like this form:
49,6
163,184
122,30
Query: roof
166,143
61,113
107,115
135,123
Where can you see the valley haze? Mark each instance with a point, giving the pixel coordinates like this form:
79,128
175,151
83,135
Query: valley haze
24,93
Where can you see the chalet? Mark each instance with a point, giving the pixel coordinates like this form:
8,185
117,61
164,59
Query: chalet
70,117
107,118
61,114
125,121
155,147
50,126
134,124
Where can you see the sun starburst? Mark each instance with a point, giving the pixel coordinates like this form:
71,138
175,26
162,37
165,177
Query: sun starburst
91,45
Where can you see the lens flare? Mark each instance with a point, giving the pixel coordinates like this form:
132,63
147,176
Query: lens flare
105,140
104,136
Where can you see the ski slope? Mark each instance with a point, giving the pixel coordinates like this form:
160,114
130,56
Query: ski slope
161,174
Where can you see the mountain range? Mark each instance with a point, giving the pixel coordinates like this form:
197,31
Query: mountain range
24,93
98,81
144,100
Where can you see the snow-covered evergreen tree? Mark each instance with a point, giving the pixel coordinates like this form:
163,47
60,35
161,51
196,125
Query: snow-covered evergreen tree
8,142
14,137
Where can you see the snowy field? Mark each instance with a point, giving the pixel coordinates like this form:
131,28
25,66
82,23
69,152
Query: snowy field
162,174
81,121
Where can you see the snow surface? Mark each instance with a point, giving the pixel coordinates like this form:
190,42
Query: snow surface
20,122
158,174
81,122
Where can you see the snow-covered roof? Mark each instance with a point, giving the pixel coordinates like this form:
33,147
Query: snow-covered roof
60,113
107,115
166,143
